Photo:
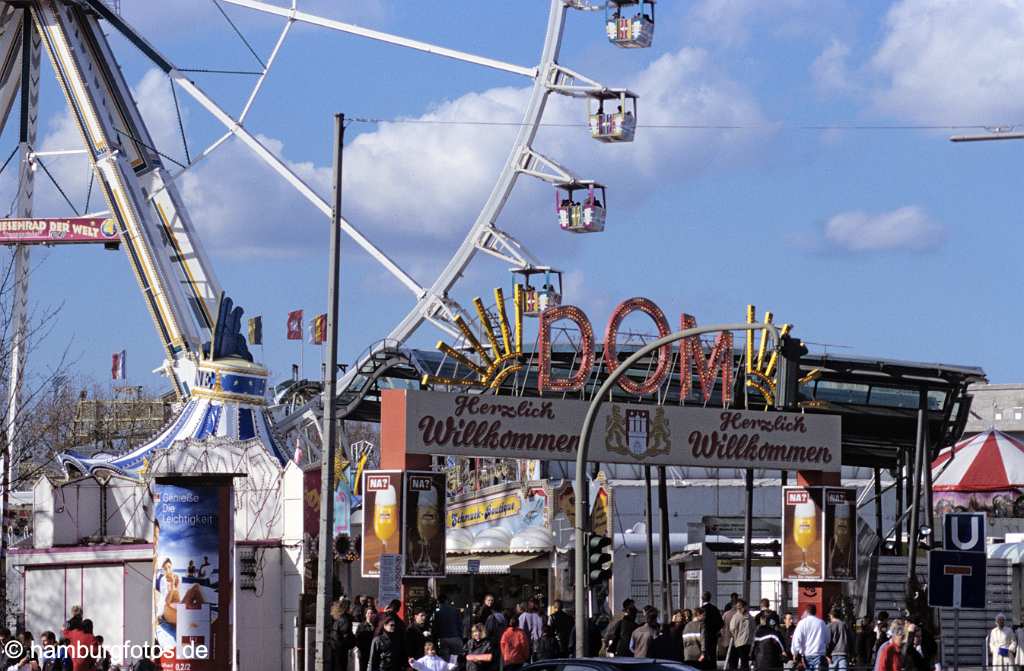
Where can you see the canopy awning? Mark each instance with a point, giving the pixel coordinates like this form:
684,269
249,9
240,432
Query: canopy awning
497,564
991,461
1012,552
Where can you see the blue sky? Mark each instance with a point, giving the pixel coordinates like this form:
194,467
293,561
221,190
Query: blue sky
892,243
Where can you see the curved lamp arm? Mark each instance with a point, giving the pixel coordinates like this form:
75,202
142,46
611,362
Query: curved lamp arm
581,587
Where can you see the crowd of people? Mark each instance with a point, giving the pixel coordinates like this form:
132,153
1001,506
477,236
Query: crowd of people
763,640
488,638
443,638
77,649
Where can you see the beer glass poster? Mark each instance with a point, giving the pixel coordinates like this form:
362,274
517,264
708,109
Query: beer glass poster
423,533
382,531
802,546
192,544
840,533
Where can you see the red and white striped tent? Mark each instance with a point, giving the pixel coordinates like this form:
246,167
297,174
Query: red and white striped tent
991,461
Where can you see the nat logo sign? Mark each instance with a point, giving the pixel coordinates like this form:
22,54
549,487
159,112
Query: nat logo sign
420,483
795,497
836,498
377,483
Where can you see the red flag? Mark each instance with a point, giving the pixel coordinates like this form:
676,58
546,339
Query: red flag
295,325
318,330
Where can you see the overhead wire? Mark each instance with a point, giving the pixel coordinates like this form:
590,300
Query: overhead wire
57,185
4,166
240,35
217,71
693,126
181,124
128,135
88,192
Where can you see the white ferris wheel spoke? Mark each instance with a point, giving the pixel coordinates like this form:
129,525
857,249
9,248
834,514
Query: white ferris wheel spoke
235,127
245,109
305,17
307,191
266,70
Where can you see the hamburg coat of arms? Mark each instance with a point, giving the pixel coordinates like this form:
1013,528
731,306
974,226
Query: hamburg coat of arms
635,434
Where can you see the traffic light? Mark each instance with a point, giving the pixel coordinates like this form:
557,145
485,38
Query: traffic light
599,559
788,386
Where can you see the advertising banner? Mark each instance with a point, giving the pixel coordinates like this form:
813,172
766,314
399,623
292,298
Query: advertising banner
342,510
382,515
423,536
840,533
57,231
191,581
601,509
548,429
389,587
517,509
802,546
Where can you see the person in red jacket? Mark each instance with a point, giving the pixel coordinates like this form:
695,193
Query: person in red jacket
83,647
515,645
890,657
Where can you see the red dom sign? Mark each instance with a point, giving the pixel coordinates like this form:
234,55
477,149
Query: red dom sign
691,353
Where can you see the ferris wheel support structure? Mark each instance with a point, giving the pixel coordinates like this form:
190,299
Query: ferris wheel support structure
23,55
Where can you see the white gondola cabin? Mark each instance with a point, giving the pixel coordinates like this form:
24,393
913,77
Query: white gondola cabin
614,118
580,216
537,299
630,23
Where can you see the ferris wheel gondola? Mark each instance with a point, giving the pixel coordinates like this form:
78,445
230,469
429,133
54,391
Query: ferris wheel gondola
586,216
612,126
630,32
537,299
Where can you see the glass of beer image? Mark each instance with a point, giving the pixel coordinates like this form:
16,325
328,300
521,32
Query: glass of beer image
842,535
428,525
805,533
385,516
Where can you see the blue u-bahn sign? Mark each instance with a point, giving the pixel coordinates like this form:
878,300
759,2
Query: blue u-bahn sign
956,574
963,532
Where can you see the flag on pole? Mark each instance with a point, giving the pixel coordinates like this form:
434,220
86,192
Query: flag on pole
295,325
119,365
318,330
256,330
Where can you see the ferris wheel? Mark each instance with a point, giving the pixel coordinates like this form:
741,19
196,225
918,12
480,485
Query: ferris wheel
581,204
175,273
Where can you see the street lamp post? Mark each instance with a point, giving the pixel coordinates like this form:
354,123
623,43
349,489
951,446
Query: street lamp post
581,581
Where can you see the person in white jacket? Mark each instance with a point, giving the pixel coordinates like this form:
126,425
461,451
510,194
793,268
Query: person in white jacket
1002,645
431,661
809,640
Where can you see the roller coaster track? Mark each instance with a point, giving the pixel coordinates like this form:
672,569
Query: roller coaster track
382,359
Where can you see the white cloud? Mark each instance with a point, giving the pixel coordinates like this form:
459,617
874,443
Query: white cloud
907,228
731,22
830,71
417,187
947,61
